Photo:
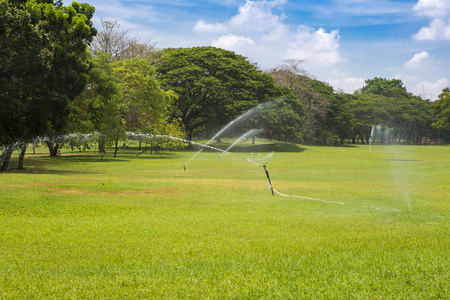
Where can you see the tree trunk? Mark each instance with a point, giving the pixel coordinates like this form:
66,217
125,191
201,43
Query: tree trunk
101,145
117,146
53,148
6,156
253,141
21,158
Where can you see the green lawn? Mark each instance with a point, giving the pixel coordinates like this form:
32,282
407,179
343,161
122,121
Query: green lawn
140,227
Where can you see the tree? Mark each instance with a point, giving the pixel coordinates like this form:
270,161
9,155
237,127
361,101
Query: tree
281,119
142,106
385,87
409,116
340,117
368,110
119,44
442,115
315,104
213,85
94,110
43,63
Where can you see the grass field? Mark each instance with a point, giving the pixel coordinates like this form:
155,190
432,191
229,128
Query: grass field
76,227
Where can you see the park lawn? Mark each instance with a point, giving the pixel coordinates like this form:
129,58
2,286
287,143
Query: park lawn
141,227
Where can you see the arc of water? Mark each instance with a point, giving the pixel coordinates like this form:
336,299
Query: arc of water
244,136
180,139
247,113
192,158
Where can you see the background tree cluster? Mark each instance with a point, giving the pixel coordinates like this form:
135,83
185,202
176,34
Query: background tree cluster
60,76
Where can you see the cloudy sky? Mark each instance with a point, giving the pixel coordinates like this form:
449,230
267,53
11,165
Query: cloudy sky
342,42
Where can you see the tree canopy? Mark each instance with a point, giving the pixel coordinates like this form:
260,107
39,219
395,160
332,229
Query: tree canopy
213,86
43,64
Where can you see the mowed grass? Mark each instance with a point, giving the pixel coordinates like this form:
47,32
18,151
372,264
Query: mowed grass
141,227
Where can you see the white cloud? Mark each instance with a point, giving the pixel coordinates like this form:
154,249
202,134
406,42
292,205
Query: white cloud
316,45
439,27
432,8
417,60
437,30
268,38
231,41
422,75
425,88
201,26
433,89
257,16
347,84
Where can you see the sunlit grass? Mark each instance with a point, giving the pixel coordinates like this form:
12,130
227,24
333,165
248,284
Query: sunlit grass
142,227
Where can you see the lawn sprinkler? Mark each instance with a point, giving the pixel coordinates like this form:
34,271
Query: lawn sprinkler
268,179
267,173
277,192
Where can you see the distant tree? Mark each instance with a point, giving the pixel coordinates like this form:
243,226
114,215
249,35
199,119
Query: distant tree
442,115
408,116
281,119
213,85
94,110
119,44
385,87
368,110
43,66
142,106
340,117
315,104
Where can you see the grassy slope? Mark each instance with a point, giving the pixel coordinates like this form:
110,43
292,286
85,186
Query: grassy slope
138,226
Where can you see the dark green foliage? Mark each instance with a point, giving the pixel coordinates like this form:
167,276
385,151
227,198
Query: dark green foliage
441,108
281,119
94,109
214,86
43,65
385,87
387,103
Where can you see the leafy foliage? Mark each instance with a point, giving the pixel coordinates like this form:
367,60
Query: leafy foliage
43,65
213,86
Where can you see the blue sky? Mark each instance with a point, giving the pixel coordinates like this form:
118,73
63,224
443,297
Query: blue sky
342,42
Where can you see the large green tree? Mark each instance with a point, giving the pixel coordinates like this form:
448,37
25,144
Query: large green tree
142,106
43,64
94,110
385,87
214,86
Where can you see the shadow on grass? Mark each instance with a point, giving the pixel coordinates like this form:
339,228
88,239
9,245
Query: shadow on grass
35,170
59,165
246,148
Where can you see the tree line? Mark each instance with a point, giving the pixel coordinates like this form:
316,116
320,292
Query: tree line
60,76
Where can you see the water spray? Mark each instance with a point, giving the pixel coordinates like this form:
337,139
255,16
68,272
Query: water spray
244,136
247,113
370,140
